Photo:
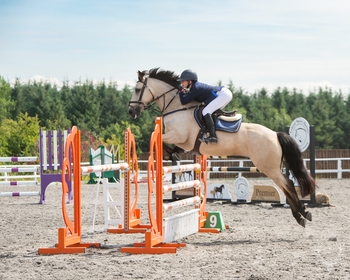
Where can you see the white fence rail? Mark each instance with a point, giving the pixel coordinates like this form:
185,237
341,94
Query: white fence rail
6,176
339,170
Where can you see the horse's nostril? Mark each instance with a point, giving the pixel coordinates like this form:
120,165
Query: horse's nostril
133,113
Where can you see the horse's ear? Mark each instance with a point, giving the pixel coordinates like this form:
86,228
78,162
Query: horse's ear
139,76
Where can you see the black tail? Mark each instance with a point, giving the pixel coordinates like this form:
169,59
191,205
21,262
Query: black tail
294,162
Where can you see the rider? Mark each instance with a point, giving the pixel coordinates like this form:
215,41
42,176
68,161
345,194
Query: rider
213,97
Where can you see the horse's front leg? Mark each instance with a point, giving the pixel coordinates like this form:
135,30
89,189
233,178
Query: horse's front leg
174,137
180,134
172,152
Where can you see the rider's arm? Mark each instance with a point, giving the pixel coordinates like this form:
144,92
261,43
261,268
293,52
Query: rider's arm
186,97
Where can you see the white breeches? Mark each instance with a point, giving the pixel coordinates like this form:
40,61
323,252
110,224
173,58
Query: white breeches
224,97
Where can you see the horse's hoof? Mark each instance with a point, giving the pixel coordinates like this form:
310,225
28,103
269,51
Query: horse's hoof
166,155
308,216
175,157
302,222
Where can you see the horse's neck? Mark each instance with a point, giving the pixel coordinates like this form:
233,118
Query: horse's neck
179,125
171,101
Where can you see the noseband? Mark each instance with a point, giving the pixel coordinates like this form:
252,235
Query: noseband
144,86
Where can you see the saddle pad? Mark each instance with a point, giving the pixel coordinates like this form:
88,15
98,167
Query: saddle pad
228,126
220,124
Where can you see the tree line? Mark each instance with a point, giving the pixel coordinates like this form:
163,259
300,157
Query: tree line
101,112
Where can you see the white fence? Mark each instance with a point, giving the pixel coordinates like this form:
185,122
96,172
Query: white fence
8,176
339,170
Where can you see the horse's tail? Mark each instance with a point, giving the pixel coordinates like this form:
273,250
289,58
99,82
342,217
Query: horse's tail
294,162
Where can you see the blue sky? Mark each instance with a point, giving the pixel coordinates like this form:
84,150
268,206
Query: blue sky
253,43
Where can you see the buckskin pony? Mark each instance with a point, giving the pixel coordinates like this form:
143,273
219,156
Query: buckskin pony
265,148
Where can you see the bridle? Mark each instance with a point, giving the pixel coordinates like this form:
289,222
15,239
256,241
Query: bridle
154,99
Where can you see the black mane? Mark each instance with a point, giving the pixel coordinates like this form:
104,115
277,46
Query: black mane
166,76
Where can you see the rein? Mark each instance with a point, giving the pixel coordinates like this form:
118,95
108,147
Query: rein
154,99
179,110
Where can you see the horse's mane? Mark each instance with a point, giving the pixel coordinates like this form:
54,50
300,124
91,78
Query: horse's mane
166,76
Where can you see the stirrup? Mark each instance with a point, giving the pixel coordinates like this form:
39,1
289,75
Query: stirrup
210,139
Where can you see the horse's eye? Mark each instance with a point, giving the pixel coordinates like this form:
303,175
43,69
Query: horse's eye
137,90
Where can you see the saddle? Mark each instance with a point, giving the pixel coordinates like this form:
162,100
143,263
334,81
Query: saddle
224,121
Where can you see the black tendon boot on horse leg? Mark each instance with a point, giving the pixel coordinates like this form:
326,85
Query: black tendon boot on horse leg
298,209
172,153
211,128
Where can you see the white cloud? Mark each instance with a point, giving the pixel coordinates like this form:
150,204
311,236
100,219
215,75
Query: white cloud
55,81
304,87
39,78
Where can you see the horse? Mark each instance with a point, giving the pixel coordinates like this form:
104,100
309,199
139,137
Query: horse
218,191
267,149
182,175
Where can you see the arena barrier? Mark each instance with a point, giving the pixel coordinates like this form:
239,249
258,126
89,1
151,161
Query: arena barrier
29,169
69,237
261,193
165,230
51,145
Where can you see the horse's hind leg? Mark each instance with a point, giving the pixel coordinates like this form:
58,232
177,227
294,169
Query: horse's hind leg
296,214
306,214
294,208
298,209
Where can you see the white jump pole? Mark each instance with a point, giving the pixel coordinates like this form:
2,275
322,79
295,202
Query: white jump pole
9,194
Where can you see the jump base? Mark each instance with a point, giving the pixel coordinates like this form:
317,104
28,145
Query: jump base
67,244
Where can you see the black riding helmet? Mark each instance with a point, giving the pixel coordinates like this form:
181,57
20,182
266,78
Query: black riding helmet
188,75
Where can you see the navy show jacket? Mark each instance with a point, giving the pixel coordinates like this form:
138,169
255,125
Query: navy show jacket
200,92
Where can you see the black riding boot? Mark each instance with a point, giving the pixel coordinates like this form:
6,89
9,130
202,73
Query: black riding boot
211,128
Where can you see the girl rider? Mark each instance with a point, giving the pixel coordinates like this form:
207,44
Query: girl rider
214,97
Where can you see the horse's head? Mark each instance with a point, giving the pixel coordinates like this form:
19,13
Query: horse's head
150,87
139,98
